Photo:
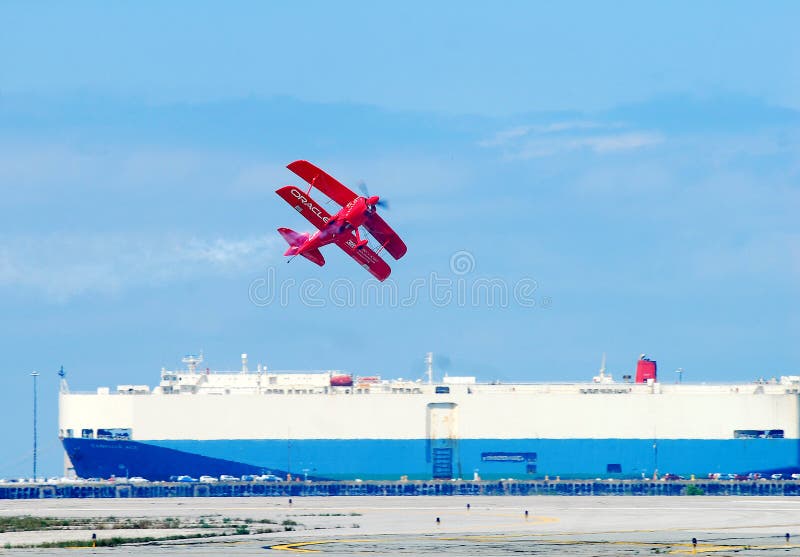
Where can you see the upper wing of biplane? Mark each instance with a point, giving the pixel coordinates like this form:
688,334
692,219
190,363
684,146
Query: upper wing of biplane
387,237
304,205
323,181
365,257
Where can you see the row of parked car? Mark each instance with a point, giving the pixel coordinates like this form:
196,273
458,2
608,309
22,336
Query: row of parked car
139,479
738,477
223,478
53,480
753,476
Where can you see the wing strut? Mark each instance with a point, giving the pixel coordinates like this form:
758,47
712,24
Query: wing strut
382,246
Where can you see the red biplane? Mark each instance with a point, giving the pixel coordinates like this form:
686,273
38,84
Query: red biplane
342,228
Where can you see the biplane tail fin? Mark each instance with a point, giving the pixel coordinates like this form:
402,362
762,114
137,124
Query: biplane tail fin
296,241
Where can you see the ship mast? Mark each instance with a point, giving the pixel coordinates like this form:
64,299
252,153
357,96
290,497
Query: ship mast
429,368
62,382
603,368
192,360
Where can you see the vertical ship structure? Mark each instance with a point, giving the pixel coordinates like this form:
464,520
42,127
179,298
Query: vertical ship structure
332,425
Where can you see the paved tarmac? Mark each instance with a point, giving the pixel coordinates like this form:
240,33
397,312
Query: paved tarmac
347,526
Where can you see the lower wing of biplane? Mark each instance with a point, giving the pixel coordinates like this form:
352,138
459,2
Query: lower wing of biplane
365,257
308,245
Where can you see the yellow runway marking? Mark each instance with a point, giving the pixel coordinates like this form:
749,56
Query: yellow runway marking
702,548
299,547
686,549
641,530
501,537
707,549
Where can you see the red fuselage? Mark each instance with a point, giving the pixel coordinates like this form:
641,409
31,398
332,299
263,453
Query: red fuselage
350,217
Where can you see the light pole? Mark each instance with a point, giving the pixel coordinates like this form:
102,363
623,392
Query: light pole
35,376
655,459
679,371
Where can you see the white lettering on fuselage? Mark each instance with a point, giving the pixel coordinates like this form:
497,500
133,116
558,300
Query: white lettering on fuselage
311,206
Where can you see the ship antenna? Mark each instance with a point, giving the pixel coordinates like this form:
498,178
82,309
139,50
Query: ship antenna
192,360
429,369
63,387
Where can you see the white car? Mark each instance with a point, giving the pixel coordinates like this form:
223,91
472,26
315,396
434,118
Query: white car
227,478
208,479
137,480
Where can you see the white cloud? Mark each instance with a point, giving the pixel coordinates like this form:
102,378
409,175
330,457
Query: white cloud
621,142
555,138
62,267
233,253
574,125
600,144
505,137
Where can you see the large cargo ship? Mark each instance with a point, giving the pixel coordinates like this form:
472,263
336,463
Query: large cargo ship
333,425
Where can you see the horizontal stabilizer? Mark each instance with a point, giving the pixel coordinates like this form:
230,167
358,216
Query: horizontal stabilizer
315,256
294,239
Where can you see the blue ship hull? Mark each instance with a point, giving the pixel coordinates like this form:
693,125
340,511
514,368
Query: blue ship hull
424,459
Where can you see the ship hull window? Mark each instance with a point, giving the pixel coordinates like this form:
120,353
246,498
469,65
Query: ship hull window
758,434
114,433
508,457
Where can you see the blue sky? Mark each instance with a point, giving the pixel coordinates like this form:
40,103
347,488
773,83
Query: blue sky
637,163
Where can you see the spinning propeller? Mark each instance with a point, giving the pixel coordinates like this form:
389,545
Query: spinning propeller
372,201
